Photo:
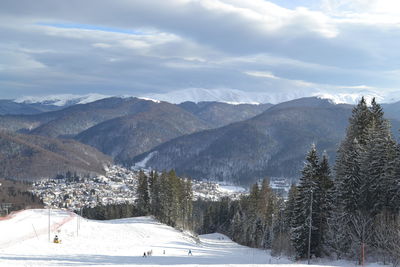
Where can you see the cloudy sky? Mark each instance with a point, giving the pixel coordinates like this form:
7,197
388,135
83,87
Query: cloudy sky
281,48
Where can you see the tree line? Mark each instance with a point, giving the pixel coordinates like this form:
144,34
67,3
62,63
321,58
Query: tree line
352,213
18,194
164,195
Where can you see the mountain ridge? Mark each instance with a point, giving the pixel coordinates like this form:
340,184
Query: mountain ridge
224,95
30,157
272,143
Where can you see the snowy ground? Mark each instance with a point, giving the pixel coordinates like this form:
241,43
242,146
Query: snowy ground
24,242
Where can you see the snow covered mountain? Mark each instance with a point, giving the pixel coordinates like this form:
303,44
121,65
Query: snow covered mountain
61,100
230,96
240,97
201,94
225,95
9,107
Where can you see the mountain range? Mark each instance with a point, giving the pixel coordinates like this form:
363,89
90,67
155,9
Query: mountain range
121,127
223,95
239,143
60,100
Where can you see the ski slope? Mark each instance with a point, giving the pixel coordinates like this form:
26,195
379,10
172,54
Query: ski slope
24,241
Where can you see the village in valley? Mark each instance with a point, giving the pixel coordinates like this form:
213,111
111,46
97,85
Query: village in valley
119,185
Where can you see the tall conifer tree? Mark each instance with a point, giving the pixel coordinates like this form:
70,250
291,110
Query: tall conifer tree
143,198
306,197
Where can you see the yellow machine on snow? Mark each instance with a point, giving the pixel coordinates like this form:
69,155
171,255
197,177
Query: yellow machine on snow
56,240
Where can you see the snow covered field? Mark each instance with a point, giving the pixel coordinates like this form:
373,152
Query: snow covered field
24,242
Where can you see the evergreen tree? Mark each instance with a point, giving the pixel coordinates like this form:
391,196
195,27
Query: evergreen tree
356,138
349,183
289,214
366,177
324,185
393,180
306,198
359,123
154,190
187,203
143,198
372,173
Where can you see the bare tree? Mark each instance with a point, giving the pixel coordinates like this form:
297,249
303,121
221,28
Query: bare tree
387,238
361,232
337,234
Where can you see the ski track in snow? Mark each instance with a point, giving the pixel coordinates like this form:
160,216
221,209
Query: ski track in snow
119,243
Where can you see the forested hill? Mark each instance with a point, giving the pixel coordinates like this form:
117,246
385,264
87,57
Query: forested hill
270,144
30,157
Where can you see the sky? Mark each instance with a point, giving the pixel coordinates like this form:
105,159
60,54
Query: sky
129,47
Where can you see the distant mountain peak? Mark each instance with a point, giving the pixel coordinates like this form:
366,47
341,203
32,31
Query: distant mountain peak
230,96
233,96
61,99
223,95
149,99
354,97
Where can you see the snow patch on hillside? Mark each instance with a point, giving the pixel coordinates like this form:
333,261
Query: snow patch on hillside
142,164
150,99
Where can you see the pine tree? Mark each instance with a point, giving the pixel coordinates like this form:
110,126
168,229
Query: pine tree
366,177
237,227
143,198
393,180
187,203
372,178
307,192
356,138
266,202
324,185
154,190
289,213
359,123
349,184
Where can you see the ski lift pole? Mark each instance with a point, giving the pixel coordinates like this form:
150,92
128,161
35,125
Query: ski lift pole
77,224
49,223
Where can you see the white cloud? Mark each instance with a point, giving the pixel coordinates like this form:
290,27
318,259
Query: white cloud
130,46
262,74
371,12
